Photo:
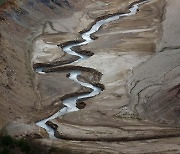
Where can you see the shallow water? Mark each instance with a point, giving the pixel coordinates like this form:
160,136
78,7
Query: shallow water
70,103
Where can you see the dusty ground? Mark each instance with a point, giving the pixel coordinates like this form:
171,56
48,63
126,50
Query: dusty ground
19,25
138,57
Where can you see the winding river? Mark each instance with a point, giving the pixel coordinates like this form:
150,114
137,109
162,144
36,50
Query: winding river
70,103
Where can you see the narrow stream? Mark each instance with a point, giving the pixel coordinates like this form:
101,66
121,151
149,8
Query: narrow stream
70,103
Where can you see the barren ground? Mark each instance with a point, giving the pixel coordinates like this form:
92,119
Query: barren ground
138,112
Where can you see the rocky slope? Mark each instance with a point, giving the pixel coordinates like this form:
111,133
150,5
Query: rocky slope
21,22
138,111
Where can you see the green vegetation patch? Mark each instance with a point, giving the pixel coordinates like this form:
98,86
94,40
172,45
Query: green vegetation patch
2,1
9,145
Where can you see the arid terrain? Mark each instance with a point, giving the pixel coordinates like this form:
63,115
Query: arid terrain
135,60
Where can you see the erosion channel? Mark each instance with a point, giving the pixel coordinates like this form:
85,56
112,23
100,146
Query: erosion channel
70,103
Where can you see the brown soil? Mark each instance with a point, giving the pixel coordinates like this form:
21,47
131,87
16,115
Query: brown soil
138,109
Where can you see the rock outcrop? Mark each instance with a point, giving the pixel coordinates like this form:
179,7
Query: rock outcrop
21,22
155,84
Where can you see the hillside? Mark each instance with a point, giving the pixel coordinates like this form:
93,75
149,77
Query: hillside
135,60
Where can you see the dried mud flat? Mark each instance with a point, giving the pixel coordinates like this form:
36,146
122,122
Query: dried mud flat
138,56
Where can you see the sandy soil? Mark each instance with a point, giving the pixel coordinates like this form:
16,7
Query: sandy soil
113,115
20,24
138,57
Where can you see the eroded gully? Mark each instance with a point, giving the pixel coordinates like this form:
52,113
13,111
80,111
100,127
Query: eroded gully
70,103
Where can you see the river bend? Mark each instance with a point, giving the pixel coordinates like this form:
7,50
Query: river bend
70,103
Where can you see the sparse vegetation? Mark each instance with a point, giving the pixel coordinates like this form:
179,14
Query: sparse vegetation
2,1
9,145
